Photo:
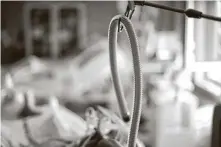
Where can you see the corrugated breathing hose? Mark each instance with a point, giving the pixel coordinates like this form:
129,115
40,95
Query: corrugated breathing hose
137,98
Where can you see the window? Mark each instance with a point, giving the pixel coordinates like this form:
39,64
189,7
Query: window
203,46
206,32
214,77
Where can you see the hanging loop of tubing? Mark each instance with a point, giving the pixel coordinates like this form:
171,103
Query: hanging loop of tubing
137,97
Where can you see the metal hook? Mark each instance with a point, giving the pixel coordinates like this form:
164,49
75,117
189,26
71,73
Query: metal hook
131,14
128,13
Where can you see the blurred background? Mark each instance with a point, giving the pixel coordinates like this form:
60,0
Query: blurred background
60,49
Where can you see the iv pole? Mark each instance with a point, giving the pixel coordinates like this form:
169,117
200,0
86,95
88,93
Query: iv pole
191,13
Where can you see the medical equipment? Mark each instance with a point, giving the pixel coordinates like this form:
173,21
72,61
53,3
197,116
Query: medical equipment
131,8
112,34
